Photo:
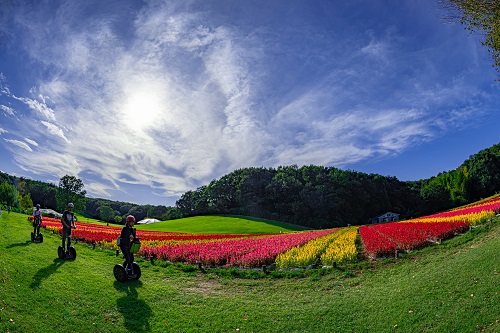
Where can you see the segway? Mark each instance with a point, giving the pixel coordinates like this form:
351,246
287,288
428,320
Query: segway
37,238
70,253
123,274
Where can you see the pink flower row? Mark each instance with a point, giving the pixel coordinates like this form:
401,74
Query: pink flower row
250,252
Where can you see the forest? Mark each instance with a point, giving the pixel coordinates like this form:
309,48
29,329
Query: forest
311,196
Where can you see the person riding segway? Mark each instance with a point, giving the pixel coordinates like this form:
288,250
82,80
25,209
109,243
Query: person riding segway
68,223
129,244
36,235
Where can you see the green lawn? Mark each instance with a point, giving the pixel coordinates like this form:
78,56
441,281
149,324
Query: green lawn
217,224
452,287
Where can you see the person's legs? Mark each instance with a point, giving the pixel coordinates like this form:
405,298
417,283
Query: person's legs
64,236
129,258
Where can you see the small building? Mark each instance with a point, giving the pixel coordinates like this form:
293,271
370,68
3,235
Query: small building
386,217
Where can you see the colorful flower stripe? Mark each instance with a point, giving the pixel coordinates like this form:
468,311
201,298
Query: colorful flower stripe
343,248
474,214
376,244
92,233
384,239
307,254
157,243
470,218
250,252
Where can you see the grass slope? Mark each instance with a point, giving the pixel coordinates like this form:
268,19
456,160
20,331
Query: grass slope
221,224
452,287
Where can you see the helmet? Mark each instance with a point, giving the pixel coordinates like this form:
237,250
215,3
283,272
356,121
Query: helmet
71,205
130,218
37,205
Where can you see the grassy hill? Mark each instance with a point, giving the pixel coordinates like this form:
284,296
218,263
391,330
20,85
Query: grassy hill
219,224
452,287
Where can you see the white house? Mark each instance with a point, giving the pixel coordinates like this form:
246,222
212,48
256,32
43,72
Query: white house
386,217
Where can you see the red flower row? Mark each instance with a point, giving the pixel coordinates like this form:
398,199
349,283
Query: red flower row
384,239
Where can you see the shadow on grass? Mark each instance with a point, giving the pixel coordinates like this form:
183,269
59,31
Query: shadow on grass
26,243
45,272
136,312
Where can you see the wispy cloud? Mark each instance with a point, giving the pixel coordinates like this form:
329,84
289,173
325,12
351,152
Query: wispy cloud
171,97
20,144
7,110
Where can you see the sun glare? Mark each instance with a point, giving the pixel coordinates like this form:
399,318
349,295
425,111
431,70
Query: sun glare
141,110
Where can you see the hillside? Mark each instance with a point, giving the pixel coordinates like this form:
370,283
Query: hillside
451,287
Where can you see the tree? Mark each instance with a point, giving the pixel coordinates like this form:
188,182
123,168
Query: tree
107,213
7,194
482,16
70,190
26,203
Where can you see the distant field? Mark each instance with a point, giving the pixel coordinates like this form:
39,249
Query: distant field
82,218
217,224
212,224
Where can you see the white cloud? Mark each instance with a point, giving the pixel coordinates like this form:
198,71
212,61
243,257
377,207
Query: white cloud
55,130
20,144
3,131
31,142
7,110
40,107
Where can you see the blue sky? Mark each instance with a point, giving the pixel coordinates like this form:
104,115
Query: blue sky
145,100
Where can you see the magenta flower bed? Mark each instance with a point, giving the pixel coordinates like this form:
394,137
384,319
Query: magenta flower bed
251,252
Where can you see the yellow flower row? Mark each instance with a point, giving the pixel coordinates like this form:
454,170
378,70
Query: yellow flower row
343,248
155,243
302,256
471,218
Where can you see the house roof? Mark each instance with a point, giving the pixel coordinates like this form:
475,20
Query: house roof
387,213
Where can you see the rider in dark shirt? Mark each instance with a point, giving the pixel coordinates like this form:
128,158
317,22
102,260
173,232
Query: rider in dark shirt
37,220
68,222
126,238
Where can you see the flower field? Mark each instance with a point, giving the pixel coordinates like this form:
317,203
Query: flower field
473,214
384,239
293,249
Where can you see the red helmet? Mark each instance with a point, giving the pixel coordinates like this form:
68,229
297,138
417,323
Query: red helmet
130,218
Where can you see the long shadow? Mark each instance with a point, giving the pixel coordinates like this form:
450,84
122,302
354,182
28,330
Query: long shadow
136,312
45,272
26,243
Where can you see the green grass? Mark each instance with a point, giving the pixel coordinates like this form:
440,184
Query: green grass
221,224
452,287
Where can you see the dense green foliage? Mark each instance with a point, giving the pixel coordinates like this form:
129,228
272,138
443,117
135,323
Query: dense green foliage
325,197
311,196
452,287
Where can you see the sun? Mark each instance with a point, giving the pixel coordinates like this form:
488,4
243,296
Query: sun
141,110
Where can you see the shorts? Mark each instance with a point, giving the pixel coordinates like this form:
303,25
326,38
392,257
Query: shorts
66,233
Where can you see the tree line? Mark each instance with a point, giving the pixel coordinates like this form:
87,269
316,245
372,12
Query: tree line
312,196
326,197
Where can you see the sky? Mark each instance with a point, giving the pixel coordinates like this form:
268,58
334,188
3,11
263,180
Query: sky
145,100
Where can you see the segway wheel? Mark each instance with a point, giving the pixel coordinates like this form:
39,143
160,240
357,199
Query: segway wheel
137,271
72,252
41,238
120,273
60,252
32,236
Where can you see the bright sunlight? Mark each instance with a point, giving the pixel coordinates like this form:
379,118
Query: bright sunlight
141,110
